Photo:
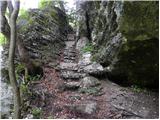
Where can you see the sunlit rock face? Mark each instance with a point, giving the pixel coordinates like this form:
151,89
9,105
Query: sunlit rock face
125,37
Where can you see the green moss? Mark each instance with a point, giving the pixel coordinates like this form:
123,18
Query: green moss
37,113
138,89
140,20
88,48
139,61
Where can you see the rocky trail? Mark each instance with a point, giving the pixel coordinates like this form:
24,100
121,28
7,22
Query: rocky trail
70,91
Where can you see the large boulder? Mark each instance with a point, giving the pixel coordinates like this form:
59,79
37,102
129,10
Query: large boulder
89,81
94,69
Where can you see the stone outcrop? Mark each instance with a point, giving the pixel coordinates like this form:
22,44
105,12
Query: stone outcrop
125,38
43,32
89,81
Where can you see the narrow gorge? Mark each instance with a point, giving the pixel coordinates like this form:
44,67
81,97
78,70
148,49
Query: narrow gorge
98,60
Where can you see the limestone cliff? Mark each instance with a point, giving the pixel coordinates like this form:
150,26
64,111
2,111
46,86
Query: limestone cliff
125,38
43,32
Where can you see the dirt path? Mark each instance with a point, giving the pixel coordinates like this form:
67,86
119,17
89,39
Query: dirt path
59,94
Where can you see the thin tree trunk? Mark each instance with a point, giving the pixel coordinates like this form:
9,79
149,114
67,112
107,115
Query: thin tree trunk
12,75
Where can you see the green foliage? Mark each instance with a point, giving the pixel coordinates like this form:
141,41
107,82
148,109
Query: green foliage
33,78
26,20
3,39
140,20
20,68
72,17
88,48
37,113
24,88
43,3
23,14
138,89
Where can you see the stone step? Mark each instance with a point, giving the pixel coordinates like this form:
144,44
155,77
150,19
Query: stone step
68,66
69,61
72,75
70,43
69,49
72,85
69,58
71,37
70,54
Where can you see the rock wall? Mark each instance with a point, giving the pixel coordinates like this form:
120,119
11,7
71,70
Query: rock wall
43,32
125,38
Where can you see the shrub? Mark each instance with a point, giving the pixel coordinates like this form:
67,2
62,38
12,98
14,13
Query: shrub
88,48
3,39
37,113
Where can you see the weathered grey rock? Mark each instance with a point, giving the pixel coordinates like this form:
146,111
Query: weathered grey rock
94,68
75,97
71,37
85,59
81,43
72,75
71,85
6,99
29,116
44,33
68,66
85,108
70,44
89,81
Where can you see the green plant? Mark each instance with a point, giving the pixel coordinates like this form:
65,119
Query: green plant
37,113
24,14
20,68
88,48
3,40
43,3
24,88
136,88
33,78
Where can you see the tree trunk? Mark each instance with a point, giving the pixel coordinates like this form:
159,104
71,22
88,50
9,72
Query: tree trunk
11,67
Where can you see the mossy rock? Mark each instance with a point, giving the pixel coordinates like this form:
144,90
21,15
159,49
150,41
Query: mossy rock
138,64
